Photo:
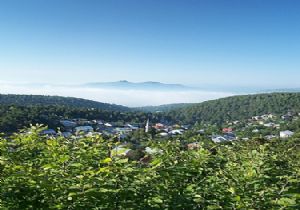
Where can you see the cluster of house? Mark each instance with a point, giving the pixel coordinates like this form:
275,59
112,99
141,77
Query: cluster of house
265,120
289,116
270,121
80,127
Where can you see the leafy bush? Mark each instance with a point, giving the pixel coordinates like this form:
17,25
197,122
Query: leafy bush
38,172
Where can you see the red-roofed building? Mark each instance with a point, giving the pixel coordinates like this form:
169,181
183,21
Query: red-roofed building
227,130
159,126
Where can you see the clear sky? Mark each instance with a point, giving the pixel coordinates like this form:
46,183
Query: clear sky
198,42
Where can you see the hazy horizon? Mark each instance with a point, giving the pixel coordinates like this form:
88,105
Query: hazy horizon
131,97
126,97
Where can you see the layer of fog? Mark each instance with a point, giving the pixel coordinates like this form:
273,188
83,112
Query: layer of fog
131,98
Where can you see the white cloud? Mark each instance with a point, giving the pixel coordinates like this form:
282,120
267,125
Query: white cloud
130,98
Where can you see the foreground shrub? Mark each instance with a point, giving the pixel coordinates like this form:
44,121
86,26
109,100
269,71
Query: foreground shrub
38,172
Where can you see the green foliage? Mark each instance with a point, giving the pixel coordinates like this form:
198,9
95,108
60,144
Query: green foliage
54,173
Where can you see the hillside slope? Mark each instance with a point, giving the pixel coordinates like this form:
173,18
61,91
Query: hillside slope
237,108
30,100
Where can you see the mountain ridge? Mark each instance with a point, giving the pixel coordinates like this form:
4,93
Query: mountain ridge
148,85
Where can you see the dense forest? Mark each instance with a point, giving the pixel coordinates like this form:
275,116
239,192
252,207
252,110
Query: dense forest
37,172
237,108
33,100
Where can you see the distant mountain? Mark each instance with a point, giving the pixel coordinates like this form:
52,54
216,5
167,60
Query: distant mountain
124,84
29,100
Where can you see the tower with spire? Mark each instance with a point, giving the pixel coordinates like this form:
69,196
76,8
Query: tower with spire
147,126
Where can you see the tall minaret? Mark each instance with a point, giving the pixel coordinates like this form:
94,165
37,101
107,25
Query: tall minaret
147,126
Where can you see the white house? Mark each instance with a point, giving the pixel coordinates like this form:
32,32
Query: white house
218,139
108,125
176,132
164,134
286,134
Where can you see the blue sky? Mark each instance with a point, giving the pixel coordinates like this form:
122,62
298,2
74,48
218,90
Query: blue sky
252,43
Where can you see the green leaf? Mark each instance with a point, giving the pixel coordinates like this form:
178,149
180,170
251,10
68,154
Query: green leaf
231,189
122,160
287,201
76,165
106,160
157,200
237,198
47,166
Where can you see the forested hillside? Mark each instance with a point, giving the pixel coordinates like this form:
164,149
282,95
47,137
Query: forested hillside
30,100
237,108
18,111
